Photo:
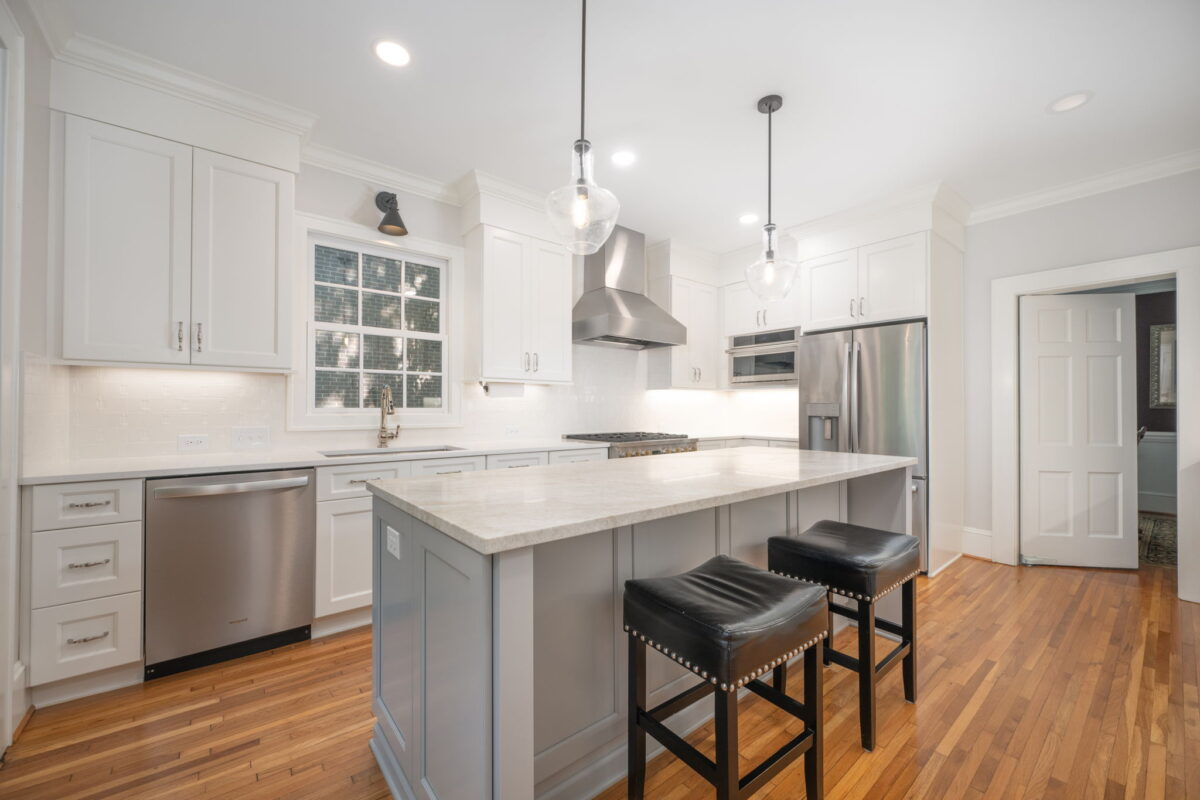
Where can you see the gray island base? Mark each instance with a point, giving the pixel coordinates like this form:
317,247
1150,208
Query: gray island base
499,655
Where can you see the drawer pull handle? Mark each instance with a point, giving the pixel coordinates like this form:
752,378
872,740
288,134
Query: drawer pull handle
90,504
354,481
519,466
86,564
449,472
86,639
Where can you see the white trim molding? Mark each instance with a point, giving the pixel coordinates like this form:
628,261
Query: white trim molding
977,543
1097,184
374,172
1184,265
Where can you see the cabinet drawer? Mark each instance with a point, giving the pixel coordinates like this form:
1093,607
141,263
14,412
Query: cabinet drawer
72,505
337,483
77,638
510,460
575,456
448,466
84,563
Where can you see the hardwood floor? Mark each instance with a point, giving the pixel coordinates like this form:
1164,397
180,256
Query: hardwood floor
1042,682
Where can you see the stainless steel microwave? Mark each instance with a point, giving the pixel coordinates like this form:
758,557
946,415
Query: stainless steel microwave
763,358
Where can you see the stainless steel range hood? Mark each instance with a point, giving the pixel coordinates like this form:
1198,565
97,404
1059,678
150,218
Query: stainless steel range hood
614,309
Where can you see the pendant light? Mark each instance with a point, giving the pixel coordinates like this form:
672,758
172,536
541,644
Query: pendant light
581,212
770,277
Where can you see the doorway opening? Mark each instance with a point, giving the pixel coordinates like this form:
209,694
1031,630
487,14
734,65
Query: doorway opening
1097,421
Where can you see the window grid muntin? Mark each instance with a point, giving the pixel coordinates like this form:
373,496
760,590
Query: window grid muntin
396,333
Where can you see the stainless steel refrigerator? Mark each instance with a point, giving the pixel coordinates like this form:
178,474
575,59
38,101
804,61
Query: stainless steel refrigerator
863,391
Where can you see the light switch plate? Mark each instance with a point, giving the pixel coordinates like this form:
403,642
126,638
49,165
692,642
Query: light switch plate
393,542
251,438
192,442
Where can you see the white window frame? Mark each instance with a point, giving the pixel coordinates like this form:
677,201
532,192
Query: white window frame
302,415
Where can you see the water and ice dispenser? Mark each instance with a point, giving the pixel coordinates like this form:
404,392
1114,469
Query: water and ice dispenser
823,421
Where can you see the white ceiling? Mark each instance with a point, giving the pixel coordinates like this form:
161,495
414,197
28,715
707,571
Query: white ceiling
879,96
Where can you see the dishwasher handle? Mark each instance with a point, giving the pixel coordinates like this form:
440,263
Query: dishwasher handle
207,490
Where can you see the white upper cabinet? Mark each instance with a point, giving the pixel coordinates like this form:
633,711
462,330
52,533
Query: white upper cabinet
828,291
746,312
172,255
876,283
127,208
692,365
891,279
522,307
241,233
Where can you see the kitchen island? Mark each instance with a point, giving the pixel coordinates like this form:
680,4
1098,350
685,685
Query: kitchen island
499,654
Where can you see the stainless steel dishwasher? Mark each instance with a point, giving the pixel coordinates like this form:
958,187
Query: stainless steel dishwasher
229,566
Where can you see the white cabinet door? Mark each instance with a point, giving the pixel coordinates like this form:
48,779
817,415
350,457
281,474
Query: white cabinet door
505,349
743,310
516,460
127,205
829,291
704,341
241,260
783,313
343,555
579,456
448,466
548,277
891,279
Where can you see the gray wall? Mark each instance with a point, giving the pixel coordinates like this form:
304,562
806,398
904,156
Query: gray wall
1149,217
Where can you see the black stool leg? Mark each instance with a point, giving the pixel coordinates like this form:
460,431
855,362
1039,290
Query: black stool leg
779,675
814,714
829,600
637,702
908,621
728,770
866,673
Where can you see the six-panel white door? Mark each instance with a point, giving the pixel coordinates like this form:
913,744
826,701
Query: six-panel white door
241,239
127,206
1078,430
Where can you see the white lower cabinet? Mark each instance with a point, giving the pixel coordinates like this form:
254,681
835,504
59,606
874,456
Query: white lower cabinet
343,555
77,638
578,456
448,466
512,460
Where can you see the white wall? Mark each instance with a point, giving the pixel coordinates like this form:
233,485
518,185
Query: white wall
1146,218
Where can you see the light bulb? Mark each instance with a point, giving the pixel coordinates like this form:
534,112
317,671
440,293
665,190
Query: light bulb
771,276
582,213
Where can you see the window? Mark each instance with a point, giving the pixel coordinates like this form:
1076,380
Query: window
378,319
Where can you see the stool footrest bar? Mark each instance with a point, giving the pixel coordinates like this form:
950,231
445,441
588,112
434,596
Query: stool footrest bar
681,701
892,659
775,763
842,660
689,755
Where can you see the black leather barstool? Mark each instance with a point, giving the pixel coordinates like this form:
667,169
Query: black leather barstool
729,623
863,564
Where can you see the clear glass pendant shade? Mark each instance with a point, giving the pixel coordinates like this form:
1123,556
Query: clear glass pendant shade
772,276
581,212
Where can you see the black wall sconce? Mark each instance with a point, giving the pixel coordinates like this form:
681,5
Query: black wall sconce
391,224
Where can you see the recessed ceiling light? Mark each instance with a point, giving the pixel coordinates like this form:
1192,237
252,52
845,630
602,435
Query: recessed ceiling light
748,219
623,158
392,53
1069,102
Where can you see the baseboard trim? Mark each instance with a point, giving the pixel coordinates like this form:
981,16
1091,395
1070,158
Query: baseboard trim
1158,502
344,621
977,543
942,568
49,694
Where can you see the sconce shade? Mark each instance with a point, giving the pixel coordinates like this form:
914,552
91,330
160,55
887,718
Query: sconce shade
391,224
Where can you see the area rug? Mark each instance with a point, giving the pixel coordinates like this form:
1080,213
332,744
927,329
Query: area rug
1156,539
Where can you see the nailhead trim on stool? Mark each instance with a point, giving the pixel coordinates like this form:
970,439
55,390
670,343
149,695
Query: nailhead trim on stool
853,595
731,687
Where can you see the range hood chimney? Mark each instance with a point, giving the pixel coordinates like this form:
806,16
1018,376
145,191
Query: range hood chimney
614,309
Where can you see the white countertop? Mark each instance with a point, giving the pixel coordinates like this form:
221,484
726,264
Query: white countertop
491,512
102,469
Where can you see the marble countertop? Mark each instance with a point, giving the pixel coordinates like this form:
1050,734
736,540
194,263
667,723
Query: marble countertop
102,469
491,512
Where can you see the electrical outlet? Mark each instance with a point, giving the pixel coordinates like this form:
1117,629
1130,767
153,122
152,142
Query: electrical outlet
251,438
192,442
393,542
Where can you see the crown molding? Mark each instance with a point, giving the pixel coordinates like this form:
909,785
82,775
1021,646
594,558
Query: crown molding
1098,184
52,23
374,172
483,183
117,62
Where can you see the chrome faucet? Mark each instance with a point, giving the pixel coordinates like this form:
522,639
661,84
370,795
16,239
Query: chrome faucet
386,408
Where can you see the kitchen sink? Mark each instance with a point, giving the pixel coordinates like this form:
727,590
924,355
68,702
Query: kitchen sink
383,451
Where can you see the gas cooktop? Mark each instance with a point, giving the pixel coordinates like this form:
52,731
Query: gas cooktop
620,438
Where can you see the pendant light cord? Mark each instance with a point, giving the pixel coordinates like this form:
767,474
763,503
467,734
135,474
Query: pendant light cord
583,71
770,117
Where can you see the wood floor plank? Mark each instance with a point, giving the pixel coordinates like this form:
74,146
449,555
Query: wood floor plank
1034,682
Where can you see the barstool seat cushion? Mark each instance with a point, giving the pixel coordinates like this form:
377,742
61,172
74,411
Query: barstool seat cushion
864,563
726,620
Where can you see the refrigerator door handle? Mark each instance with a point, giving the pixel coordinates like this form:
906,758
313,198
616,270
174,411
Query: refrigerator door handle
853,368
847,418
